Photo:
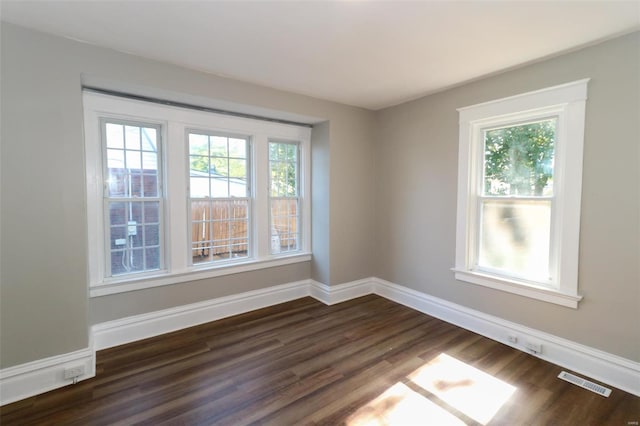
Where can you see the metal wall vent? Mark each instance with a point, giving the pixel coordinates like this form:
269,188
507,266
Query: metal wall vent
586,384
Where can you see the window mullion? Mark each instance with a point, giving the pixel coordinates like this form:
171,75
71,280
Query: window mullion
176,241
260,191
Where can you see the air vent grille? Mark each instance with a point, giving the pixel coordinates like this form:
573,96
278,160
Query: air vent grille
586,384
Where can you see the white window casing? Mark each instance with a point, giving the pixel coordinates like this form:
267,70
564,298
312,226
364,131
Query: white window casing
566,104
174,123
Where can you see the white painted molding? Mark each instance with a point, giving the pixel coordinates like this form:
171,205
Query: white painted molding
37,377
611,369
130,329
129,284
33,378
330,295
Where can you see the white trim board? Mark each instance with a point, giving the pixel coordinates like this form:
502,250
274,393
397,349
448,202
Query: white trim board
605,367
130,329
330,295
37,377
608,368
33,378
138,327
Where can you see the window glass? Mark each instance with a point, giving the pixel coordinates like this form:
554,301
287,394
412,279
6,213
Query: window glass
518,160
515,238
219,203
515,235
219,171
133,219
284,200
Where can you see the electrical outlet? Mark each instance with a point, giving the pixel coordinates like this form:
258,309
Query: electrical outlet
533,347
73,372
512,338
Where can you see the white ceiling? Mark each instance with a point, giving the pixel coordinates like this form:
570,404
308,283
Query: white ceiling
371,54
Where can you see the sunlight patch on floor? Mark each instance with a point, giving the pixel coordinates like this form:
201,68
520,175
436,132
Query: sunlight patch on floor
400,405
471,391
447,381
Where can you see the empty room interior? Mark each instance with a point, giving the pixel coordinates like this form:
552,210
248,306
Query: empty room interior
353,212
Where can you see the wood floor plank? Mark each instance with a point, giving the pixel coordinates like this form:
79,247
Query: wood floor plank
302,362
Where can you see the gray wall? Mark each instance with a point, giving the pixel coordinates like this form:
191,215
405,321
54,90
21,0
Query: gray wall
44,308
416,175
321,199
383,202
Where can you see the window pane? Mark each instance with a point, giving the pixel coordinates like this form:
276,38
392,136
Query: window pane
198,144
151,212
135,185
220,161
219,230
115,136
134,232
238,188
237,148
149,139
151,235
135,211
218,146
292,152
514,238
133,160
117,182
115,159
150,185
199,187
198,165
117,262
518,160
237,168
118,237
284,225
132,137
117,213
220,188
152,259
283,169
219,166
135,260
149,161
283,181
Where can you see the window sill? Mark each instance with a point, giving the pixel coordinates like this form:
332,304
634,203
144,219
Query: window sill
519,288
196,273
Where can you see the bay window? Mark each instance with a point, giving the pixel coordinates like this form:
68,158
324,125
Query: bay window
177,194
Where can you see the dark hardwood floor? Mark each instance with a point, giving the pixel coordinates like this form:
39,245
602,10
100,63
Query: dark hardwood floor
366,361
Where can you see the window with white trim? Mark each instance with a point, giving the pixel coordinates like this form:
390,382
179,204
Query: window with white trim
176,194
133,200
519,190
219,196
284,197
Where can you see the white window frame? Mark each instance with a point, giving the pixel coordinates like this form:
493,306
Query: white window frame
174,123
248,197
566,102
108,199
296,197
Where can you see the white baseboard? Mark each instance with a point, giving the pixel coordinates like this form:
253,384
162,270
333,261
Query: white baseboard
608,368
330,295
130,329
34,378
37,377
